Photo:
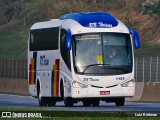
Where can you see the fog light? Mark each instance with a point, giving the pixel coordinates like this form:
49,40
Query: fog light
78,85
130,90
77,92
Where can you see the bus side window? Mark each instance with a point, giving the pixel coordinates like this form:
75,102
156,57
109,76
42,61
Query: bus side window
44,39
64,52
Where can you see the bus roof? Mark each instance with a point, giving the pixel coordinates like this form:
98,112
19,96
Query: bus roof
84,22
92,19
47,24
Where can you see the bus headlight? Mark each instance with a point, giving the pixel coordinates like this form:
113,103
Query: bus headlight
129,83
78,85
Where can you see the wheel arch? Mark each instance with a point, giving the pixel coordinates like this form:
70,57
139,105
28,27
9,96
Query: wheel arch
61,85
38,85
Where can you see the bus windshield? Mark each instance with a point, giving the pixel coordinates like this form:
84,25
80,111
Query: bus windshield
102,53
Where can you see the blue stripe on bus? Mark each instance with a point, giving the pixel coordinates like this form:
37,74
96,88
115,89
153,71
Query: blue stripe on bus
35,65
52,81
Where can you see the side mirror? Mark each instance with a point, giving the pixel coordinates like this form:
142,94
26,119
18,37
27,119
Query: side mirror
69,40
135,38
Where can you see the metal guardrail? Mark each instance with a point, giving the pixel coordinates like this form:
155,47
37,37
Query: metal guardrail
13,69
147,69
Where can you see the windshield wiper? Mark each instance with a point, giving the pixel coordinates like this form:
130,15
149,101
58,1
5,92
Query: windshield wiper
93,65
117,69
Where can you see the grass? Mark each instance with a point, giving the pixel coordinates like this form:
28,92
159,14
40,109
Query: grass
78,115
148,51
13,41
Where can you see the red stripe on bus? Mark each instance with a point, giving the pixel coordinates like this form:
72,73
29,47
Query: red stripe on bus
57,88
58,63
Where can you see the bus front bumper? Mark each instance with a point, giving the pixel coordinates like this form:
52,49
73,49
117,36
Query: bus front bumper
93,92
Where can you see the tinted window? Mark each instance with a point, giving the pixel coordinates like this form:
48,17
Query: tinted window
44,39
64,52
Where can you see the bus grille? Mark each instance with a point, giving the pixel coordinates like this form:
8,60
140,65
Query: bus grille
103,87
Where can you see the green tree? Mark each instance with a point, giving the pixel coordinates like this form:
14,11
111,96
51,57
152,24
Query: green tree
152,7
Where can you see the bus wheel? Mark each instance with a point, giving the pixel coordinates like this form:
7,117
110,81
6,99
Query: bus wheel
51,101
86,103
68,102
120,101
95,103
62,90
42,100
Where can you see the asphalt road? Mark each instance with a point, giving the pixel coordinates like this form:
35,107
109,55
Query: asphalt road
15,101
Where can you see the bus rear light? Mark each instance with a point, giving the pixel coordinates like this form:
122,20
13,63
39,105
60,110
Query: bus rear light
130,83
78,85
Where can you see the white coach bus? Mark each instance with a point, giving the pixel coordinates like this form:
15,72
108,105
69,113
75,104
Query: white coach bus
84,57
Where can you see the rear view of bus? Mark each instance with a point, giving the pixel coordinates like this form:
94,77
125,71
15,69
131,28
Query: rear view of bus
100,59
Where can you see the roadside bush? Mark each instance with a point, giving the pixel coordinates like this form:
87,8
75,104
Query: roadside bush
151,7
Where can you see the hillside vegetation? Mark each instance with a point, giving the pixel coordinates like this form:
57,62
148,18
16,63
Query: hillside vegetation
16,17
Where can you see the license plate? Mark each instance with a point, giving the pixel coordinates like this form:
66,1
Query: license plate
104,92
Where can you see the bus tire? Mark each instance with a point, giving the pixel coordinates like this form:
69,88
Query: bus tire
42,100
86,103
95,103
68,102
61,90
120,101
51,101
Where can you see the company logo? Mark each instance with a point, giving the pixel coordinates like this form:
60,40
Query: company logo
100,25
21,115
44,61
90,79
6,115
93,25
